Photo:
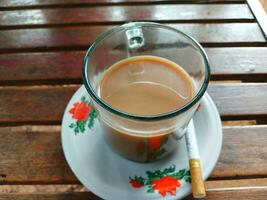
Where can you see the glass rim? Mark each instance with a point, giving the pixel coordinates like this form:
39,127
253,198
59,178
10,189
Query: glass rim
162,116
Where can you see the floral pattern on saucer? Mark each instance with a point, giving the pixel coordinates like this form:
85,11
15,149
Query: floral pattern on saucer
84,115
164,181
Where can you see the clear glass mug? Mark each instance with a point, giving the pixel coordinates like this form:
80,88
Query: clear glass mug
136,137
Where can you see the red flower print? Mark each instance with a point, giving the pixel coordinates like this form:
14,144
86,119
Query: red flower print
161,181
166,185
154,143
80,111
135,183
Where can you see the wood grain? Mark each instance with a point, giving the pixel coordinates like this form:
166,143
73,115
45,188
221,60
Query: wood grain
249,194
243,149
33,154
119,14
66,196
240,100
259,14
216,185
48,188
34,104
37,155
253,194
65,67
71,38
17,4
211,185
59,67
238,63
45,104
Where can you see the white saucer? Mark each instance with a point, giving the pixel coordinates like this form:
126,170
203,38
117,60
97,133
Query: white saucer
106,174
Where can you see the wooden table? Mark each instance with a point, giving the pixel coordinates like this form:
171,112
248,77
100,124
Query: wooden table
41,48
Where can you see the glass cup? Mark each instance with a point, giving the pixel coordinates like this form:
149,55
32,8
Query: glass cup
144,138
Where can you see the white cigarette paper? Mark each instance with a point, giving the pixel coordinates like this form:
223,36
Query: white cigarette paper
191,142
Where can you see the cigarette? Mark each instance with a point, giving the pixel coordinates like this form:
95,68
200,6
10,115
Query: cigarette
197,182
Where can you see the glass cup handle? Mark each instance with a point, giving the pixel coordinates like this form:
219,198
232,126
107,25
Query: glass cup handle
135,38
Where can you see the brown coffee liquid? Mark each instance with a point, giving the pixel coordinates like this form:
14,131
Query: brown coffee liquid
146,85
143,85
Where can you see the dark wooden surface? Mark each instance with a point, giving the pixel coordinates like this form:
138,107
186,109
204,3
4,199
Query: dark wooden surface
42,44
21,4
79,38
65,67
253,194
119,14
230,101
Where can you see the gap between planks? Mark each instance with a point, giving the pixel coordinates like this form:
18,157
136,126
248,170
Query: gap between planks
85,47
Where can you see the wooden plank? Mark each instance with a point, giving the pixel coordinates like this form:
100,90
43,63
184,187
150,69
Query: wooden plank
37,155
37,104
65,67
223,32
238,63
214,190
64,196
240,100
242,152
119,14
211,185
49,3
52,67
234,101
259,14
248,194
29,147
71,38
52,188
217,185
